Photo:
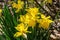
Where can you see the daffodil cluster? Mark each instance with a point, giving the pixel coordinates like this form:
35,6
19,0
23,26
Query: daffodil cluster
30,19
26,19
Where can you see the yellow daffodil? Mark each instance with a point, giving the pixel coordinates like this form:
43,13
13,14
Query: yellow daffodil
14,5
0,12
18,5
33,11
45,21
28,19
47,1
21,30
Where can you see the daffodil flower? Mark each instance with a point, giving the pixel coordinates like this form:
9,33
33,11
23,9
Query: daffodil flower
28,19
19,5
21,30
44,21
32,11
